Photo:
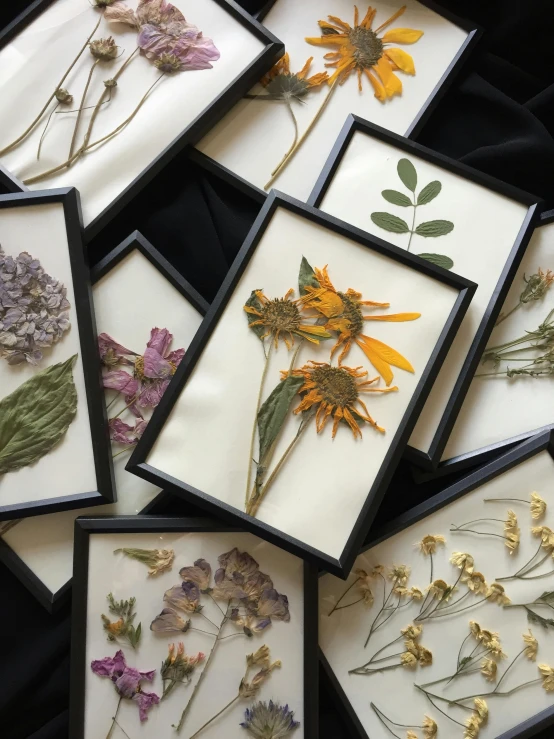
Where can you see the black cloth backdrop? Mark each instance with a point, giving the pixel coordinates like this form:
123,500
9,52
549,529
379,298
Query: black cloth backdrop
497,117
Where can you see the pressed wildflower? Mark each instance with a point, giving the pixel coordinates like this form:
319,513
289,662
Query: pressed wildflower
416,593
186,597
547,673
411,734
531,646
63,96
472,726
476,583
412,632
538,506
489,668
429,727
178,667
364,586
123,628
343,311
498,595
462,560
127,682
158,560
425,656
269,720
400,574
169,621
482,709
441,590
104,49
282,84
409,660
428,545
361,49
475,629
546,535
200,574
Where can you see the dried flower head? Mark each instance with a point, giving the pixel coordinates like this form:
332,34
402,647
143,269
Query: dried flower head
546,534
169,63
200,574
282,84
531,646
364,587
512,532
547,673
538,506
430,728
400,591
441,590
489,669
248,689
63,96
472,726
269,720
482,709
536,286
376,571
185,597
158,560
462,560
259,658
123,628
476,583
416,593
411,734
399,573
497,594
409,660
411,631
428,545
178,667
127,681
111,83
475,629
425,656
169,621
104,48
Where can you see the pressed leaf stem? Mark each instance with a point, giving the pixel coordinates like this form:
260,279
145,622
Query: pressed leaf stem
388,728
122,451
348,589
295,124
254,424
372,659
527,568
287,158
506,315
80,111
414,204
25,133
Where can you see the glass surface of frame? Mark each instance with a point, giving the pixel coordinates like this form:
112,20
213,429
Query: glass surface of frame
251,140
50,461
515,712
467,221
202,436
39,549
151,107
280,585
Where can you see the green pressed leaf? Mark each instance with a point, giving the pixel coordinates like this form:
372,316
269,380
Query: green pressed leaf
407,173
535,618
434,228
396,198
390,223
273,412
253,302
439,259
306,277
35,417
429,192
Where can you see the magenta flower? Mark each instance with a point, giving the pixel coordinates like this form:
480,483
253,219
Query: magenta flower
112,353
122,433
127,681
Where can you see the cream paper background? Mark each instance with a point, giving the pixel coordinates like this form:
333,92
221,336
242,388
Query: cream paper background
69,468
125,578
129,300
497,408
34,62
319,492
486,226
343,634
255,135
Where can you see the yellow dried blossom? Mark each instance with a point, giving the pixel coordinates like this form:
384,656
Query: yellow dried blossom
364,587
489,669
377,570
430,728
531,646
547,673
401,591
259,657
428,545
411,734
411,631
475,629
487,636
538,506
476,582
511,521
411,647
482,709
473,726
416,593
512,540
462,560
400,573
407,659
425,657
441,590
497,594
546,534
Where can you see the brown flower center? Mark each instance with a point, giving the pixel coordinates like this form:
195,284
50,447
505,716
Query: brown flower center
139,368
281,315
368,47
352,313
335,385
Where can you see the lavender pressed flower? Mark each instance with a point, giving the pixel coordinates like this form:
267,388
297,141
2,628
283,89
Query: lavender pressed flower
169,621
269,720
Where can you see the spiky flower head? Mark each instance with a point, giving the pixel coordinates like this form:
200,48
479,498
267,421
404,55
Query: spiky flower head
269,720
104,49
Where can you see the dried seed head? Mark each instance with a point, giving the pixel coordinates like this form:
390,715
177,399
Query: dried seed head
110,83
168,63
103,3
63,97
103,48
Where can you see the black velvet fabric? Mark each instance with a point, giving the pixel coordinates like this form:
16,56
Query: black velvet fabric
497,117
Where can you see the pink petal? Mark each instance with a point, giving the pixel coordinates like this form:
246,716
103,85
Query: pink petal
196,55
121,381
140,426
145,702
120,12
157,12
109,665
119,431
150,395
160,339
155,366
105,343
152,41
176,356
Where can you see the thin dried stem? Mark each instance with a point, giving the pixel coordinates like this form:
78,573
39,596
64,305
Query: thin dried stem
80,111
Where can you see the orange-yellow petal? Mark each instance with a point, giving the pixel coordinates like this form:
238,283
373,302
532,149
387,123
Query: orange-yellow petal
368,19
393,17
381,356
378,88
394,317
391,83
402,36
401,59
304,71
338,22
349,418
317,79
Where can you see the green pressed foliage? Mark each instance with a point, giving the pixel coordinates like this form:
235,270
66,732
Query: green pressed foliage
439,259
253,302
273,412
306,277
389,222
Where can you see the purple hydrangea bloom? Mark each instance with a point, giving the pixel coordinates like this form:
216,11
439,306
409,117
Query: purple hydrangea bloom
127,681
269,720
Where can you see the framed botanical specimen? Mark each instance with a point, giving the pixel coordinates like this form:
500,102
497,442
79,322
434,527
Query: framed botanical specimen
387,62
446,213
135,290
291,391
102,82
54,447
231,619
443,628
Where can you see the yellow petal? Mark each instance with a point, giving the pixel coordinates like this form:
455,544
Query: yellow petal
391,83
402,36
326,40
378,88
381,356
402,59
393,17
395,317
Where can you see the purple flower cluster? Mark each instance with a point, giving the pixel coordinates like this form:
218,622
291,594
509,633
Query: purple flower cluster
33,309
269,720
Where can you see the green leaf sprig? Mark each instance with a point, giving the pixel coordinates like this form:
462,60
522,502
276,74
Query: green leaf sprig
123,628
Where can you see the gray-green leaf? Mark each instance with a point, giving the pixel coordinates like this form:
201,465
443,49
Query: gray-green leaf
434,228
35,417
439,259
306,277
253,302
429,192
390,222
396,198
273,412
407,173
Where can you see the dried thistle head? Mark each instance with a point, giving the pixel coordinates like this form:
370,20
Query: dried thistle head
476,583
547,674
104,49
428,545
411,631
400,573
538,506
497,594
489,668
531,646
430,728
462,560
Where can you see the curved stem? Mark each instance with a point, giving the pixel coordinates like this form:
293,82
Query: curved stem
373,628
213,718
27,131
254,425
114,719
509,313
80,112
358,671
493,693
335,607
45,129
510,500
506,670
295,124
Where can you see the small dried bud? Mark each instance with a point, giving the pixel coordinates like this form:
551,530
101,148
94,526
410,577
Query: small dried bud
103,3
110,83
104,48
62,96
168,63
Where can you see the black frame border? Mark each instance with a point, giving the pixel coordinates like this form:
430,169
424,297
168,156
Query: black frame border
542,442
429,461
85,527
138,462
68,198
54,600
221,104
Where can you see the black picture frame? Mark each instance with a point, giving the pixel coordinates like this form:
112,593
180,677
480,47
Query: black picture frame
68,198
54,600
542,442
430,461
138,462
272,51
474,34
85,527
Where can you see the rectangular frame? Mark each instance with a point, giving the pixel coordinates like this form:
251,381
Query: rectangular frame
429,461
49,599
84,310
272,51
542,442
87,527
474,34
138,463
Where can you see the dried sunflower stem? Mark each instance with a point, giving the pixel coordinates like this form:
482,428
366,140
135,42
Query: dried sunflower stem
254,425
25,133
509,313
80,111
394,723
295,124
348,589
372,659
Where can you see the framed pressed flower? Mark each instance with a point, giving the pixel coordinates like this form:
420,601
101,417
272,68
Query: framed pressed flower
447,214
135,290
443,628
509,397
386,62
54,448
95,84
280,405
186,627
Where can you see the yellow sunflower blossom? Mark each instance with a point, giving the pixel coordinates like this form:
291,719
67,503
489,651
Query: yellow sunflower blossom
399,573
416,593
497,594
440,590
412,632
283,84
428,545
476,583
343,312
361,49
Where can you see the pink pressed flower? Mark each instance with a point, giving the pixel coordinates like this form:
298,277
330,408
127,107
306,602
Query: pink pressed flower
112,353
122,433
121,381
